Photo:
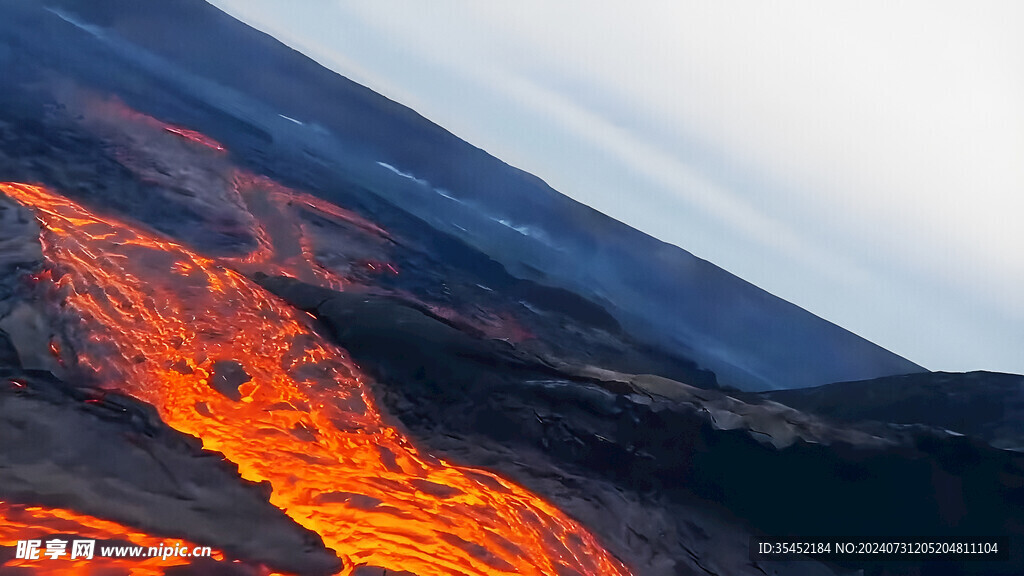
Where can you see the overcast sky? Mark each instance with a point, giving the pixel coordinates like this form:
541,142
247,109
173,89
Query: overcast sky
864,160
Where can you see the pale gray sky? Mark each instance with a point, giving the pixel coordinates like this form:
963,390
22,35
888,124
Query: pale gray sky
864,160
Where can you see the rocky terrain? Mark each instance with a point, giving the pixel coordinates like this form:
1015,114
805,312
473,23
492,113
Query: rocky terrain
577,364
110,456
189,64
985,405
667,458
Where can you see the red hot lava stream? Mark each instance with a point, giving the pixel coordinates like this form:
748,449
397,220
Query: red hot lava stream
40,523
157,317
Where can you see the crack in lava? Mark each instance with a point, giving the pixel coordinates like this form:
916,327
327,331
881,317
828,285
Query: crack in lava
156,318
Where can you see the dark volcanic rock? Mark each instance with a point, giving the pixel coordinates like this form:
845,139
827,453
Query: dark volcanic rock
24,334
20,250
186,62
985,405
8,354
673,478
772,468
227,376
377,571
19,239
211,567
110,456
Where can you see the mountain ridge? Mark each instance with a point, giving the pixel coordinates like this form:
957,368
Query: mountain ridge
661,293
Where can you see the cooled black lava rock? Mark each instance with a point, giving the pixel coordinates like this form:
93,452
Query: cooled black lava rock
227,376
987,405
779,471
8,354
110,456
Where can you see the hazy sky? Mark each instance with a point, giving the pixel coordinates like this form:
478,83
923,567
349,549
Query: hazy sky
864,160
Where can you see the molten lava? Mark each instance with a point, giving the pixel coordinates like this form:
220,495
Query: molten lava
157,321
35,522
196,137
285,248
114,107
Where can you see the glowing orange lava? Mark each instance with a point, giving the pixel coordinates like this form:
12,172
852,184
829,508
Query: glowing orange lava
114,107
196,137
35,522
287,249
158,317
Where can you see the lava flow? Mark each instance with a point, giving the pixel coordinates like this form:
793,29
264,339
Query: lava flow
160,322
35,522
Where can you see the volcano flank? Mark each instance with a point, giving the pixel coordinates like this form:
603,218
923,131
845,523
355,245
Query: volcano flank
355,344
